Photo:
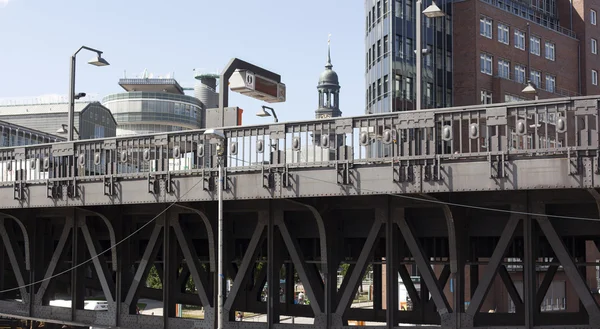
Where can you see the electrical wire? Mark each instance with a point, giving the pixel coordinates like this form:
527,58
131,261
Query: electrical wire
402,196
105,251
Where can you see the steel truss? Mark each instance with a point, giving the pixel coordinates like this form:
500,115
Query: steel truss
451,261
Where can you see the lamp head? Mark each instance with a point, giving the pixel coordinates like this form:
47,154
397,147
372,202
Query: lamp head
62,129
214,133
529,89
262,113
98,61
433,11
79,95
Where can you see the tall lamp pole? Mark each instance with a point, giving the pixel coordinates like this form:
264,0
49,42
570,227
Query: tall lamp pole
220,136
432,11
97,61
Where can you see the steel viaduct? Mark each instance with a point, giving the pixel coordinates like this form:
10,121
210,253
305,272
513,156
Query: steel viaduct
474,212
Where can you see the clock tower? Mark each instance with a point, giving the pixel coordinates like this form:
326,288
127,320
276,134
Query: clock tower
329,91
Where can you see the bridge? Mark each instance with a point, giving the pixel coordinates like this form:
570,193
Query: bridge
471,217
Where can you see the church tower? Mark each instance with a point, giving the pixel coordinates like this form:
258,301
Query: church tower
329,90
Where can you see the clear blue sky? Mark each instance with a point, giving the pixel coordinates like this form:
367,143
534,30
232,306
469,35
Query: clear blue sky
37,38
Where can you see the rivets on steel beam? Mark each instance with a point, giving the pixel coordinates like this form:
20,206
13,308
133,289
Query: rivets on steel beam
97,158
123,156
176,152
364,138
474,131
46,163
296,143
325,141
521,128
447,133
260,146
233,148
561,124
387,137
200,150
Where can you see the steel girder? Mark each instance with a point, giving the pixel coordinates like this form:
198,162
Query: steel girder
292,236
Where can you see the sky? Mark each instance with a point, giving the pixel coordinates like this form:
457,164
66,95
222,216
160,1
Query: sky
37,38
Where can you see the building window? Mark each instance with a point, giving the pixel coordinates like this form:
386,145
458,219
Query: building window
379,50
594,77
429,94
534,45
593,17
485,27
550,83
398,85
386,48
536,78
378,9
448,61
385,8
520,73
385,86
428,60
520,39
379,88
409,11
409,88
399,11
594,46
504,68
503,34
550,52
486,64
409,49
486,97
399,48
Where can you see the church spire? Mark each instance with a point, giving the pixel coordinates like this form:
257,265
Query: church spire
329,65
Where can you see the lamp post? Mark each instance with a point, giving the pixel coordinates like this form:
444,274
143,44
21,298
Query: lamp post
220,136
264,113
64,128
432,11
530,89
97,61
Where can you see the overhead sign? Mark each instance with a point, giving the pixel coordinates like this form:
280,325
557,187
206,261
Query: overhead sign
249,84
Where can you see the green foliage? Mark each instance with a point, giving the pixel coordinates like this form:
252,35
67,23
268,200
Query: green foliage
153,280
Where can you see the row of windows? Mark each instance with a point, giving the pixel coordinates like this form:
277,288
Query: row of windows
486,27
374,15
504,71
155,106
404,89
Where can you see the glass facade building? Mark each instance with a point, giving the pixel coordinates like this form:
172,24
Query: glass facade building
140,112
390,34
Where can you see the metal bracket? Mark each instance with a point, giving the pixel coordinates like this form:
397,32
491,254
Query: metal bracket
285,177
402,173
72,189
343,173
574,163
153,184
208,182
268,178
500,167
433,171
168,182
53,190
109,185
18,187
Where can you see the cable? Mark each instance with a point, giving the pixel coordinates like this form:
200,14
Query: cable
516,212
525,213
103,252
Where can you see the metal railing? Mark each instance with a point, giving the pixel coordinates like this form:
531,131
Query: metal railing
451,134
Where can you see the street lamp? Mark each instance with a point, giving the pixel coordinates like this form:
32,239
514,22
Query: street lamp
96,61
220,136
432,11
264,113
530,89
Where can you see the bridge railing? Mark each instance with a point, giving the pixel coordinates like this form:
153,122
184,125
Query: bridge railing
521,129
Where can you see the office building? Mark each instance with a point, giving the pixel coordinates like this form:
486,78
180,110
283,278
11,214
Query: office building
153,105
92,120
390,36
